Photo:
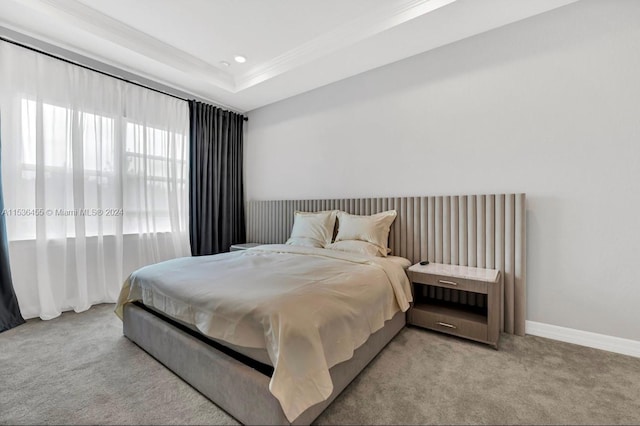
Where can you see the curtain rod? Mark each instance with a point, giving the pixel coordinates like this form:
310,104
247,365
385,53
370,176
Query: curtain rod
68,61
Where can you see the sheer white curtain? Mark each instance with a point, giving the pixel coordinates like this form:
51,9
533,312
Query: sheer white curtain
95,180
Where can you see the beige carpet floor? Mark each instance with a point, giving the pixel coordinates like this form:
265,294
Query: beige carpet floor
79,369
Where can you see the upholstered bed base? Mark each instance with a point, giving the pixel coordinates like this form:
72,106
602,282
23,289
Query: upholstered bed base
242,391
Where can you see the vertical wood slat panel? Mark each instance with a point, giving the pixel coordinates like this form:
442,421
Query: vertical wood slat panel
388,205
274,219
396,229
490,230
289,211
263,231
520,290
463,238
462,231
500,252
455,239
253,237
509,262
438,225
417,214
260,223
480,239
403,226
249,216
254,227
250,219
275,233
284,232
487,231
471,231
424,238
463,235
273,236
408,217
446,230
400,233
281,222
257,223
431,217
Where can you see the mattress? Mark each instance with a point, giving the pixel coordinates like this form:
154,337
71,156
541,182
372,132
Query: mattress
308,308
260,354
257,354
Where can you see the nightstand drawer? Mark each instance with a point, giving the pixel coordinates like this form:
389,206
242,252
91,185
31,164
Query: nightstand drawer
459,324
448,282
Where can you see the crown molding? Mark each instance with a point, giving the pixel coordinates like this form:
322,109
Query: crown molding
347,34
125,36
35,40
117,44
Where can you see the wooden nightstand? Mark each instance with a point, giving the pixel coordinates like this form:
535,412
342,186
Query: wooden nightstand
432,310
244,246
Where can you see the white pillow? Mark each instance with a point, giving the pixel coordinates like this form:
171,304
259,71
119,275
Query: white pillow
313,229
355,246
373,229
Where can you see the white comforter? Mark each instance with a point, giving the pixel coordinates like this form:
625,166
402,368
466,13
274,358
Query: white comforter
310,308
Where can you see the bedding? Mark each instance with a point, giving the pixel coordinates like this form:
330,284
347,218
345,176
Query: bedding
312,229
373,229
355,246
309,308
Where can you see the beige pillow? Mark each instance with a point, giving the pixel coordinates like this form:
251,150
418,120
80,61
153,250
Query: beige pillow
373,229
313,229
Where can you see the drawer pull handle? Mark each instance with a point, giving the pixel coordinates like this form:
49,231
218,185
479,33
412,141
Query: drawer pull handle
444,324
447,282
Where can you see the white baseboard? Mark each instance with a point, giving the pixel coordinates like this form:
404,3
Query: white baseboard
584,338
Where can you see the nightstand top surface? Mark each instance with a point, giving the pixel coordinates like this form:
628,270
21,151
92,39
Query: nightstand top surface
466,272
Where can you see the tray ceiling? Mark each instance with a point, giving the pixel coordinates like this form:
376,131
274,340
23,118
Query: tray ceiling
291,46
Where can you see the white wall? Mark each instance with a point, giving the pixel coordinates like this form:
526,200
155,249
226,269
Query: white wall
549,106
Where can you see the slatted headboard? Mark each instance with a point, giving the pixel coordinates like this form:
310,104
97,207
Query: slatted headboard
471,230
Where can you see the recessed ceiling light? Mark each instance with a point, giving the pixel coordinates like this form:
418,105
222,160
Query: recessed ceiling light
240,59
225,63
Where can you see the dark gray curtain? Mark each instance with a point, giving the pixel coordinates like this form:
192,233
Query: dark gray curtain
9,310
216,193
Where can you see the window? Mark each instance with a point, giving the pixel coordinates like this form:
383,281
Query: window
112,179
155,168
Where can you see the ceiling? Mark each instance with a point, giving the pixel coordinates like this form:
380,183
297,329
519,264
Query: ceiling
291,46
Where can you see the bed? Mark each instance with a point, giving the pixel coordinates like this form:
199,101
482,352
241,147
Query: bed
290,326
475,230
